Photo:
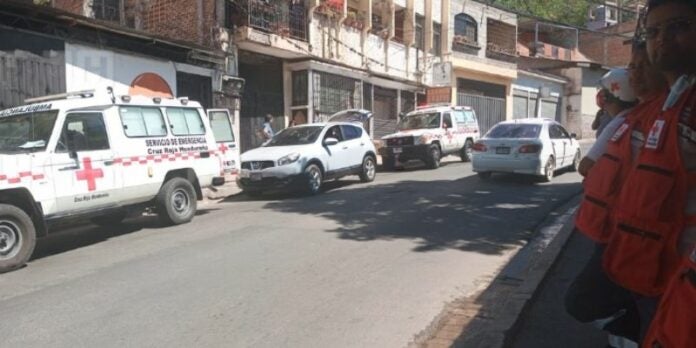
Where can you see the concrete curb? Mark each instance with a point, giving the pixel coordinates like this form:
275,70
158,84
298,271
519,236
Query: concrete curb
491,317
529,289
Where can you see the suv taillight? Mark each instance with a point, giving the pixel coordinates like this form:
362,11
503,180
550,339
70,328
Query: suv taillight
479,147
530,148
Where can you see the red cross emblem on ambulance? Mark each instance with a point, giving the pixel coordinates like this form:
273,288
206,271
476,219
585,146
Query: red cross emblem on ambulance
89,174
223,148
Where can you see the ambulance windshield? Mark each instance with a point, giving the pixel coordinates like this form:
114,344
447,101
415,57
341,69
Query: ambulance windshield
420,121
27,132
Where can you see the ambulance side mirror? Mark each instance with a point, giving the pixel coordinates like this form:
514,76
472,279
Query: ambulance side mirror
72,154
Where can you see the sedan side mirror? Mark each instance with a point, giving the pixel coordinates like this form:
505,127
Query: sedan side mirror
330,141
573,136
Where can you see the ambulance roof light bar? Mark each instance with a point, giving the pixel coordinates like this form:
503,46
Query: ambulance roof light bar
82,94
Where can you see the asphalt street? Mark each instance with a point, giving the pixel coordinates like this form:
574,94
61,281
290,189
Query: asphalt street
360,265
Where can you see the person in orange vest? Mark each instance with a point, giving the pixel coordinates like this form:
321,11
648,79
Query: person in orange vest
654,219
592,297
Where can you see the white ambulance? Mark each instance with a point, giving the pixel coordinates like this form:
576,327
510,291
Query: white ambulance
84,156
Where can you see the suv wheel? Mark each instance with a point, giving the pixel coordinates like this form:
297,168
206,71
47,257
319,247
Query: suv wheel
176,202
433,160
17,237
467,150
314,179
369,169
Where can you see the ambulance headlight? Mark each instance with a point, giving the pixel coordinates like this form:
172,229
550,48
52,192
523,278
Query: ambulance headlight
291,158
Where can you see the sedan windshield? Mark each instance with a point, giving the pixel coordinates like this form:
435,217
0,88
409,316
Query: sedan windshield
296,136
27,132
513,131
420,121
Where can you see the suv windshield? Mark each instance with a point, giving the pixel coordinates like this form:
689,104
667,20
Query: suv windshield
296,136
515,131
26,132
420,121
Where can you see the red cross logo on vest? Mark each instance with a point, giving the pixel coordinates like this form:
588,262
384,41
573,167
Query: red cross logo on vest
89,174
615,87
223,148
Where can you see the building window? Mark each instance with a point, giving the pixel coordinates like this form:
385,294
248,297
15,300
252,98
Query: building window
466,27
299,88
399,17
437,35
420,32
108,10
333,93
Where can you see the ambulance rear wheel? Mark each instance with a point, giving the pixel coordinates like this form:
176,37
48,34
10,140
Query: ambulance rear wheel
17,237
176,202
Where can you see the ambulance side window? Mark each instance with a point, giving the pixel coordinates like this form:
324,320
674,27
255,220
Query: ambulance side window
83,132
185,121
142,122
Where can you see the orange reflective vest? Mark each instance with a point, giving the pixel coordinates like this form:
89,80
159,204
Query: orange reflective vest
674,324
649,213
604,181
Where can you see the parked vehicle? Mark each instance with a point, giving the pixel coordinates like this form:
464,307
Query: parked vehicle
430,133
528,146
221,124
303,157
77,156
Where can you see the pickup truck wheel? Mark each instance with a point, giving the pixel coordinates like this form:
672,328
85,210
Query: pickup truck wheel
433,160
466,151
369,169
110,219
17,237
176,202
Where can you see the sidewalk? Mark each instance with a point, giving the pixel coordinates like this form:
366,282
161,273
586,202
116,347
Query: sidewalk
545,323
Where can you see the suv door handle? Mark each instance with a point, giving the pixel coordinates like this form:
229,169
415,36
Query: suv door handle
345,147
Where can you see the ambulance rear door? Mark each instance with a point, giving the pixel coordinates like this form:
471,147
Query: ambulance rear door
223,130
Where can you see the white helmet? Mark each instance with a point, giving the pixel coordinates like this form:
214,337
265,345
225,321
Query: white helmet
616,82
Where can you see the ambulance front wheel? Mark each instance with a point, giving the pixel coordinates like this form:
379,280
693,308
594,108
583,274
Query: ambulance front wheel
17,237
176,202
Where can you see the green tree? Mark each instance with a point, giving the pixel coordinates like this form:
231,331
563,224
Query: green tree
572,12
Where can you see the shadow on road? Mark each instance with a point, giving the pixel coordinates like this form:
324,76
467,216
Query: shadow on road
85,234
466,214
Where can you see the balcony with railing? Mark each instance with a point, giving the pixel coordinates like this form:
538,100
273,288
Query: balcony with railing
280,17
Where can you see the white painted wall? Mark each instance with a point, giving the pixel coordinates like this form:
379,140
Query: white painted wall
93,68
351,37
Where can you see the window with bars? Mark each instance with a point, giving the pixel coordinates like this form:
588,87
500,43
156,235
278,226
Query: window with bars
299,88
108,10
420,33
333,93
465,26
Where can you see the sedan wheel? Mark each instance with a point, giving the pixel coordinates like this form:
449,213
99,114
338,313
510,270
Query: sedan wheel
549,170
576,162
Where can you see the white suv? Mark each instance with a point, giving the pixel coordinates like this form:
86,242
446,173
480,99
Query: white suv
430,133
305,156
81,156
